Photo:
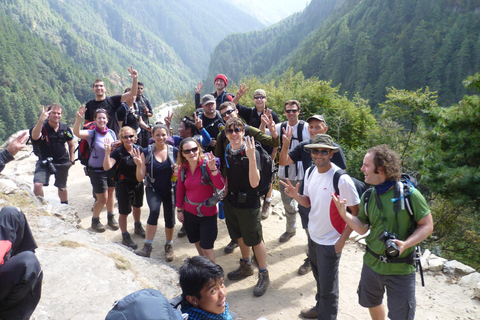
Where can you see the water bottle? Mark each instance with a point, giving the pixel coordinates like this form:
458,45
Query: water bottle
221,213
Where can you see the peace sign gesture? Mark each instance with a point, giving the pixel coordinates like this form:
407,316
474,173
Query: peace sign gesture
198,121
44,115
198,88
290,190
132,73
210,158
81,112
137,156
287,135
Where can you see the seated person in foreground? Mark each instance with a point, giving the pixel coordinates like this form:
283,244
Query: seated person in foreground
203,289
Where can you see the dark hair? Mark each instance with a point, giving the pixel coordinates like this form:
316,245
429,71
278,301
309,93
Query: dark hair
190,123
140,84
97,80
235,123
159,126
195,273
292,103
227,104
54,106
127,90
387,159
100,111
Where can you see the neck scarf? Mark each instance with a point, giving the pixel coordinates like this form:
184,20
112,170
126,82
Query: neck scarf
197,314
238,151
101,131
384,186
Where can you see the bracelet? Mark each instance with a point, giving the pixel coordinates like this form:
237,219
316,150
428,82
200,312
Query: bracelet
200,129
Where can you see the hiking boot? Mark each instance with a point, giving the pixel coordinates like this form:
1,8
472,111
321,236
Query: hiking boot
182,233
286,236
97,225
145,251
127,241
309,313
262,284
169,255
305,267
231,246
139,229
112,223
244,270
265,210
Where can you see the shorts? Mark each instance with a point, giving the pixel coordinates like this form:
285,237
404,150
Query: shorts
129,195
101,180
203,229
400,292
243,223
42,174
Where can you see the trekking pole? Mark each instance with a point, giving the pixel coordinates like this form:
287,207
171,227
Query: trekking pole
418,265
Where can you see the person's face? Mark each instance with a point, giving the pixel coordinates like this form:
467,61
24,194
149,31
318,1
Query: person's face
213,297
128,137
190,151
182,130
99,88
321,156
235,136
210,108
140,91
368,170
316,127
160,136
101,120
55,115
291,112
229,113
219,84
259,101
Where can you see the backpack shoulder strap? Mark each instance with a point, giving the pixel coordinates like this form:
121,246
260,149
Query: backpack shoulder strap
366,199
300,126
283,126
336,177
170,156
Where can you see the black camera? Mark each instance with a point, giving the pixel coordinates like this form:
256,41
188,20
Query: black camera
49,164
391,248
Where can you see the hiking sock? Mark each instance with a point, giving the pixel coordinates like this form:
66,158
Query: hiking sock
149,241
248,260
262,269
169,242
110,213
268,199
138,224
125,234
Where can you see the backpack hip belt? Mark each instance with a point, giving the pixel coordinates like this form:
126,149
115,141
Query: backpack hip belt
210,202
410,259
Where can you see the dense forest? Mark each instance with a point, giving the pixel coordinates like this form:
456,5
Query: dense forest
366,46
52,50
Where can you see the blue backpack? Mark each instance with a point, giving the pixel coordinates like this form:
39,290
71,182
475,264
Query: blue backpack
146,304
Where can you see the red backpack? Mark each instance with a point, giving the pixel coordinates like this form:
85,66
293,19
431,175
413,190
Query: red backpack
84,150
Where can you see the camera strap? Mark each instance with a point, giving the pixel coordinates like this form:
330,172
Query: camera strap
408,259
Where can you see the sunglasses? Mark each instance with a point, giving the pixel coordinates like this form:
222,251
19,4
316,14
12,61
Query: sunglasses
187,151
258,98
231,131
291,111
129,137
227,113
322,152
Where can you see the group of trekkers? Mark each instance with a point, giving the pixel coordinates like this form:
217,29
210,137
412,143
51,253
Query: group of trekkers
222,163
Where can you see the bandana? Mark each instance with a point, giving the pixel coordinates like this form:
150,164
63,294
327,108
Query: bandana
197,314
101,131
238,151
384,186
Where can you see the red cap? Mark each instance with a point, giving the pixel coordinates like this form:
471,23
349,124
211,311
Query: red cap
222,77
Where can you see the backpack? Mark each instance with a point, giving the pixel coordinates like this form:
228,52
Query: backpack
403,189
217,196
84,149
359,185
267,171
36,143
146,304
300,126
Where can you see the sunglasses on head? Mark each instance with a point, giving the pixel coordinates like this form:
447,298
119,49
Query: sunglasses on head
187,151
227,113
129,137
322,152
291,111
258,97
231,131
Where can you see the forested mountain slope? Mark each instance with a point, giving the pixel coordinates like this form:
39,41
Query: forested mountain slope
52,50
369,45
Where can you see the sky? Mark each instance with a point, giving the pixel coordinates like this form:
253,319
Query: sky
270,11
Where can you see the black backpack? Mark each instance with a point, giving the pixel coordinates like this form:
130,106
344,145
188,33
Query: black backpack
36,143
267,172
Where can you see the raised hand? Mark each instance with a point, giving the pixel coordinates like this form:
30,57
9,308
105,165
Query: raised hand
341,205
290,190
137,156
107,145
210,158
168,119
242,90
44,115
287,135
250,147
198,121
81,112
132,73
18,143
198,88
